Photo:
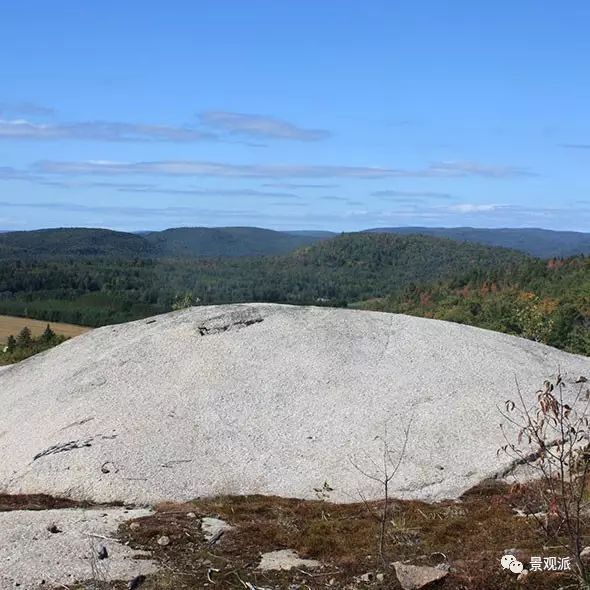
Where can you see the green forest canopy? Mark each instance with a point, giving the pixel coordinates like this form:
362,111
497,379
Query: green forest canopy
351,267
546,301
486,286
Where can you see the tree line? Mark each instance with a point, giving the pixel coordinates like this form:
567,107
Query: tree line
24,344
494,288
545,301
346,269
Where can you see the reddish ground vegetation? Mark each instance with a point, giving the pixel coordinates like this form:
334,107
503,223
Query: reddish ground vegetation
35,502
472,534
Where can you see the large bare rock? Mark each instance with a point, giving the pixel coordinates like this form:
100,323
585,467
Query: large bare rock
285,559
415,577
55,548
272,399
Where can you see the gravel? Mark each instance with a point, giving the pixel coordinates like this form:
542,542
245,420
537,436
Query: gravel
261,398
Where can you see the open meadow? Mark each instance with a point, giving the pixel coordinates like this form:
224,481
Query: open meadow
13,325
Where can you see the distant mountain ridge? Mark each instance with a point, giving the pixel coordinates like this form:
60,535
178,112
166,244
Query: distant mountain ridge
233,242
542,243
212,242
204,242
73,241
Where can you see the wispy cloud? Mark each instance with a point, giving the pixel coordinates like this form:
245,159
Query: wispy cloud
119,186
206,192
72,184
218,169
260,126
576,146
101,131
174,215
467,168
25,108
355,218
475,208
478,214
344,200
214,126
298,185
9,173
419,208
288,204
112,210
417,194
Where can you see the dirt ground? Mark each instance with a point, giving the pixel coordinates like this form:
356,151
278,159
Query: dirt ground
470,535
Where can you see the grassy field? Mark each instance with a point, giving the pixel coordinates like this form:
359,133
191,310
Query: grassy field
13,325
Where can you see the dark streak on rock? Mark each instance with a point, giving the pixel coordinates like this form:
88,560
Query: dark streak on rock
64,447
78,423
207,331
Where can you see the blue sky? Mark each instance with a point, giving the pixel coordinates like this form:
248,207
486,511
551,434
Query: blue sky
296,114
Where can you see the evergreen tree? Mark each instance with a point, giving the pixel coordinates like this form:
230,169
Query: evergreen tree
183,301
11,344
24,338
48,335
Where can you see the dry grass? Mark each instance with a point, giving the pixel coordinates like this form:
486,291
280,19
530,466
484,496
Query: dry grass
472,533
10,502
13,325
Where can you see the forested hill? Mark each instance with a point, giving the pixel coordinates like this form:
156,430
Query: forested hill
345,269
403,258
542,243
211,242
252,241
547,301
177,242
76,242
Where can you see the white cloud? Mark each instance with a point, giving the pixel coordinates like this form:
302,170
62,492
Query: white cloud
298,185
219,169
100,131
260,126
467,168
475,208
215,126
207,192
417,194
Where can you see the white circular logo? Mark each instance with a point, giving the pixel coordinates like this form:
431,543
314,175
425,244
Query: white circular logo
509,562
516,567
